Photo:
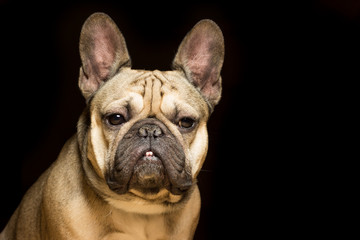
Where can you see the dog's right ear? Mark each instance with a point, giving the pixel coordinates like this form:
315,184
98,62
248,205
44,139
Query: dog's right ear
103,52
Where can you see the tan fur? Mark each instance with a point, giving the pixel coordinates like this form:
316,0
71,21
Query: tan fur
72,199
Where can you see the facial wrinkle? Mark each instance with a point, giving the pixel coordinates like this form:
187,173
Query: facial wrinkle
156,96
147,94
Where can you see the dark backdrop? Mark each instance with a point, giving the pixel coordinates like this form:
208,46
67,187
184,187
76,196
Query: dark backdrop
284,65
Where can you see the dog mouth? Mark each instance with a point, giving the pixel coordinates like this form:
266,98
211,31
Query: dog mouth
149,159
149,174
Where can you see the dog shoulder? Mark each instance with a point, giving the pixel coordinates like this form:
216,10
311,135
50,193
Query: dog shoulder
63,177
66,198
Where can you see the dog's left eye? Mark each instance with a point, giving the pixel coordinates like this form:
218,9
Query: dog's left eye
186,123
116,119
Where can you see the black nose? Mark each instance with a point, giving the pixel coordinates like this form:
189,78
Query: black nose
150,130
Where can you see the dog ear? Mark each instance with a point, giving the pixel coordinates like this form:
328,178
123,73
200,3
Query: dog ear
200,56
103,52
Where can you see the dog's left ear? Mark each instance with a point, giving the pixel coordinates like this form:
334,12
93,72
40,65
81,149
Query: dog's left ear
103,52
200,56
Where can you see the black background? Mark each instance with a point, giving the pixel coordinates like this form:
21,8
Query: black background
286,66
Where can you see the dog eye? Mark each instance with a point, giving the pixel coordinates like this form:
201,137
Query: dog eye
116,119
186,122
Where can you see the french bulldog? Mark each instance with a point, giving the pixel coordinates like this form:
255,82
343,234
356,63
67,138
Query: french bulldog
130,171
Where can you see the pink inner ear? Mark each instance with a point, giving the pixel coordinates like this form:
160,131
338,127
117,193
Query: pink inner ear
197,58
104,50
201,56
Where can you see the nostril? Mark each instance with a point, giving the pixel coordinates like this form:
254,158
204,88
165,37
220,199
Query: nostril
157,132
143,132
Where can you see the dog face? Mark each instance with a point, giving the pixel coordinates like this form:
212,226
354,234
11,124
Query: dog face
143,135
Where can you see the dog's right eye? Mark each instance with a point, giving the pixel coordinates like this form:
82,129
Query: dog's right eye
115,119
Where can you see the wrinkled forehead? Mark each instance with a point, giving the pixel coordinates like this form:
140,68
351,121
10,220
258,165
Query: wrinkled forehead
151,92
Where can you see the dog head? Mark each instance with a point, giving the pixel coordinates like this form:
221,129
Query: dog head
143,135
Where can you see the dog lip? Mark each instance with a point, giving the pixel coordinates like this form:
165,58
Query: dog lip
150,156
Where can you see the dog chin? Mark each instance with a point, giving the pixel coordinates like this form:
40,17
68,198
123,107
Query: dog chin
149,176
